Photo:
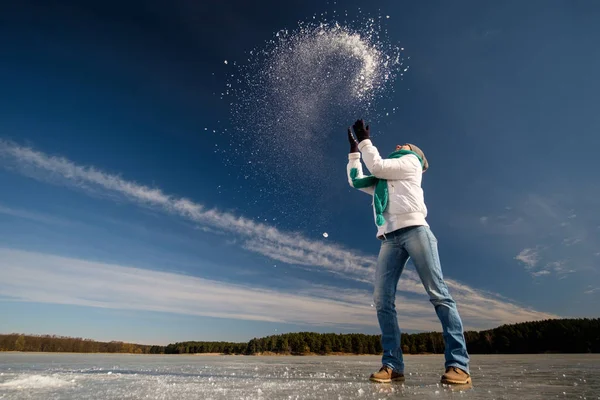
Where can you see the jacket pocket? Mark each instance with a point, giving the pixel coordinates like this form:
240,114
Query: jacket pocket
405,198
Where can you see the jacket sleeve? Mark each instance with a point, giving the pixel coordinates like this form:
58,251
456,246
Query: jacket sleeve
354,162
391,169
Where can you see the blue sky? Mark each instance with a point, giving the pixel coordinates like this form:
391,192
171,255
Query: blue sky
119,220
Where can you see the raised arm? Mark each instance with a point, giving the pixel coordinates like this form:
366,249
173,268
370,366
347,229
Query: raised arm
354,163
395,169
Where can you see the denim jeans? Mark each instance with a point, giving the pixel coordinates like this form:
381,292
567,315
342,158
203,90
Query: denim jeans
418,243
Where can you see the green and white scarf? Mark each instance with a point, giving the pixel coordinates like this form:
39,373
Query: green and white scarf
380,197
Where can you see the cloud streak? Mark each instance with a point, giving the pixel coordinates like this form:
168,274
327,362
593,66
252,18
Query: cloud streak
36,217
47,278
260,238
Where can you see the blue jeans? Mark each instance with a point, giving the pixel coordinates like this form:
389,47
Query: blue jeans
418,243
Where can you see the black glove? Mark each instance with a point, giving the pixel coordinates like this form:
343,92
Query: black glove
361,131
353,142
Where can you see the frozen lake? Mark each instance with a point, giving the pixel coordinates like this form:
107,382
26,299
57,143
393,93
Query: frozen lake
105,376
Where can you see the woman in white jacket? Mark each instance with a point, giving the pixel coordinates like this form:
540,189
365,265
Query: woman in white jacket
400,212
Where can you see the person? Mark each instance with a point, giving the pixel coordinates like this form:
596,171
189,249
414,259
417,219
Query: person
400,212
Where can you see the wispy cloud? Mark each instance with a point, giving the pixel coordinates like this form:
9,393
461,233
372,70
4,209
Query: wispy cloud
592,290
483,309
258,237
558,232
569,241
32,216
540,273
46,278
559,268
529,257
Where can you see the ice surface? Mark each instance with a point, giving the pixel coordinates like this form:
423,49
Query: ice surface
81,377
34,382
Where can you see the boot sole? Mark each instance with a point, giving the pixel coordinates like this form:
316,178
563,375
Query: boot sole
453,382
382,380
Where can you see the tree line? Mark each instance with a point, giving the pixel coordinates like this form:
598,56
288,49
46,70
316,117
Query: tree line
548,336
558,335
205,347
53,343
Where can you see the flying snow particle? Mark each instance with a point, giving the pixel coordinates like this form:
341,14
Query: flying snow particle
325,234
225,62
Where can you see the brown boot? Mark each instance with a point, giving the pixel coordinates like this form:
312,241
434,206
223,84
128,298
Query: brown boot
456,376
386,375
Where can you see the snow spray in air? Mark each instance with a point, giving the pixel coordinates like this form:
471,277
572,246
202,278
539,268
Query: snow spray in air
292,100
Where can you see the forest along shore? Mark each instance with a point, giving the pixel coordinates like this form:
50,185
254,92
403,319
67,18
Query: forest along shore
549,336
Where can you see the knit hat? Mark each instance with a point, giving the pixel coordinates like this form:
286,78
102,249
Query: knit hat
421,154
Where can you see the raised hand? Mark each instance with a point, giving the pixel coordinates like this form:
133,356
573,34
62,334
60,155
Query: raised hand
353,142
361,131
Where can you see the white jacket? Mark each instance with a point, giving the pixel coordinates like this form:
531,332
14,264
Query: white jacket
406,205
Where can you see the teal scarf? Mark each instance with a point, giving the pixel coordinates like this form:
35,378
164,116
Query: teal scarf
380,197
